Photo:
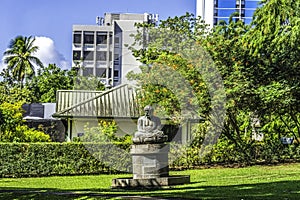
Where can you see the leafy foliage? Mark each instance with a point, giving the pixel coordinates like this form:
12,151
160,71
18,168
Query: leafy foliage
19,58
12,128
170,77
258,64
48,80
105,132
48,159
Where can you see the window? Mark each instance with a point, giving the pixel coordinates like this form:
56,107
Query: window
88,37
88,71
215,21
109,73
224,19
76,55
247,20
101,72
117,42
116,73
88,55
243,3
101,38
252,4
242,13
226,12
226,3
116,59
101,55
110,56
215,12
249,13
77,37
110,38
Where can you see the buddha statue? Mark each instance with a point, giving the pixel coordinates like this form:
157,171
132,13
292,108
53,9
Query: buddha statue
149,129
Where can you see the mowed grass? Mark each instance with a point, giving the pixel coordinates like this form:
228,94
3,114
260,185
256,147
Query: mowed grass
256,182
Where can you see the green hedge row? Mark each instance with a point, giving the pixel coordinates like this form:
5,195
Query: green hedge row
225,153
46,159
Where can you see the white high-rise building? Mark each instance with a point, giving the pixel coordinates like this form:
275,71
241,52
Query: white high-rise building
102,49
212,11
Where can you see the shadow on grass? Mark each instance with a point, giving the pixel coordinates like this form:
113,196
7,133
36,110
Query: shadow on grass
273,190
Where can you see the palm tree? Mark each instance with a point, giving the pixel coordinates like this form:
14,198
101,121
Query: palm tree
19,58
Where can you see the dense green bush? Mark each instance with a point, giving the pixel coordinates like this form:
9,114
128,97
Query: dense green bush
12,128
239,148
105,132
46,159
226,152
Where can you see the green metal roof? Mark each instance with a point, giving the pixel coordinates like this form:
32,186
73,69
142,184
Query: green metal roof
118,102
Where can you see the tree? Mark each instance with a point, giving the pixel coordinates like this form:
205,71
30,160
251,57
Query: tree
258,65
179,78
260,69
52,78
274,45
11,92
20,60
48,80
170,79
230,57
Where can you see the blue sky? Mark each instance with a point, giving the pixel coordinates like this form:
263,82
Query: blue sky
53,19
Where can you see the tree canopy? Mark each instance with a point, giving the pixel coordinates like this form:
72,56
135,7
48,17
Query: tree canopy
20,59
258,63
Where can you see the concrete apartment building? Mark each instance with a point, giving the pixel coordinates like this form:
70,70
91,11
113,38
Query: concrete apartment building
101,50
212,11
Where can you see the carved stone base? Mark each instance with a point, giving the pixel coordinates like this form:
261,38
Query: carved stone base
150,168
150,183
150,160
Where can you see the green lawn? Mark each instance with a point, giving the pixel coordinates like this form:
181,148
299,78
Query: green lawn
257,182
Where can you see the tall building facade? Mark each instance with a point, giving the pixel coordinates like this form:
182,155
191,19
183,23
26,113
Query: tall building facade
212,11
102,49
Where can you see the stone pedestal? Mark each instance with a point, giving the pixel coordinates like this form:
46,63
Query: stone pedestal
150,168
130,183
150,160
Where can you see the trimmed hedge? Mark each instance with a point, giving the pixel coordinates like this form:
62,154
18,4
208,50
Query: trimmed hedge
75,158
47,159
225,153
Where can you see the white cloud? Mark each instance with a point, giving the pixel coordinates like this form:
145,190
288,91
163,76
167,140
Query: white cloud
48,53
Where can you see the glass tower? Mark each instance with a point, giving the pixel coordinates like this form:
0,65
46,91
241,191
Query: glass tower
244,9
213,11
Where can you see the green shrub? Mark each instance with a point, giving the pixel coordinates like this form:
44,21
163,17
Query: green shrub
12,128
225,152
46,159
11,116
31,135
24,134
105,132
